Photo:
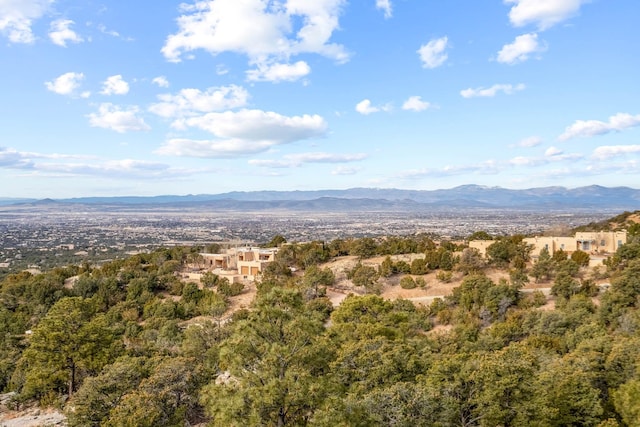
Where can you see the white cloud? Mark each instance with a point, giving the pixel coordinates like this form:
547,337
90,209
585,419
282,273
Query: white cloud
365,107
586,128
65,84
115,85
104,30
526,161
260,125
608,151
484,168
296,160
264,31
60,33
551,155
121,120
160,81
112,33
531,141
520,50
279,72
492,91
543,13
415,103
344,170
12,159
192,101
433,53
118,169
242,133
385,6
71,165
552,151
17,16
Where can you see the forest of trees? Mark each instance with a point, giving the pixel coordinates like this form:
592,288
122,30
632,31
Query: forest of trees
128,343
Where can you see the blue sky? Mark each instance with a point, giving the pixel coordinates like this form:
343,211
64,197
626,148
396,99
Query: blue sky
147,97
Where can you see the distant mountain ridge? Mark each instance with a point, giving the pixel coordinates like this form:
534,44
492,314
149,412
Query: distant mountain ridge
465,196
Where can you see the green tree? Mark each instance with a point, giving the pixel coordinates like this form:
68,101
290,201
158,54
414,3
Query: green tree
470,262
559,256
508,249
386,268
315,281
402,403
212,304
68,344
168,397
568,267
565,286
211,280
407,282
627,402
230,289
365,276
451,382
277,362
506,379
447,259
100,394
624,291
543,268
568,396
480,235
419,266
581,258
365,247
277,241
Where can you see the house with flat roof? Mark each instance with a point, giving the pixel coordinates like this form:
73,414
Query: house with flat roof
595,243
245,263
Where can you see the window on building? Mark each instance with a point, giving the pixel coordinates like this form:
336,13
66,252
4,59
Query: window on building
562,246
602,242
619,243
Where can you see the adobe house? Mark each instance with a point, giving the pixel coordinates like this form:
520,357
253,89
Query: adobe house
252,261
246,263
592,242
601,241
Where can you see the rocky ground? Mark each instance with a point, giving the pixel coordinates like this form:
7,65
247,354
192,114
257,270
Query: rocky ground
28,417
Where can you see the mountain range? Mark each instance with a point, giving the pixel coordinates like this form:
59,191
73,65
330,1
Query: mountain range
372,199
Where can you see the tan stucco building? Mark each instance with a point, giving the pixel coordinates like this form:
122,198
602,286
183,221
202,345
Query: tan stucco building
592,242
246,263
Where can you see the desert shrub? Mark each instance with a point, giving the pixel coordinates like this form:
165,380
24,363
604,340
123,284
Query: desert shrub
407,282
581,258
444,276
230,289
419,266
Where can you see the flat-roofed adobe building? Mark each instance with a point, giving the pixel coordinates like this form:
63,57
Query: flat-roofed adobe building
246,263
601,241
592,242
252,261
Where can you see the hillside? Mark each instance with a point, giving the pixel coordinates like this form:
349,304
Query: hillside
450,336
629,221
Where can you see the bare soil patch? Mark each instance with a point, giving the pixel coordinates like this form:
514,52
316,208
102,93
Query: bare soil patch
28,417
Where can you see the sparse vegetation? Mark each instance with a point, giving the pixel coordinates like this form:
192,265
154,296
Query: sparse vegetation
130,340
